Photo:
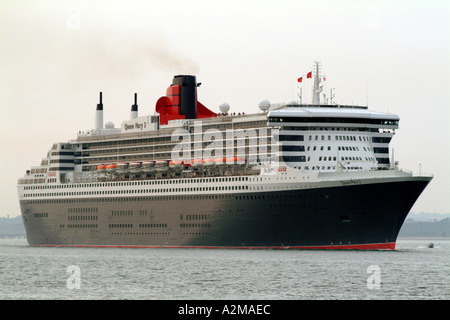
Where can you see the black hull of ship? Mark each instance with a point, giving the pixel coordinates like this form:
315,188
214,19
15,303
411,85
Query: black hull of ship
362,216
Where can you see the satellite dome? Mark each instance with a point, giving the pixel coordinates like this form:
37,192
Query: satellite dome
224,107
292,103
109,125
264,104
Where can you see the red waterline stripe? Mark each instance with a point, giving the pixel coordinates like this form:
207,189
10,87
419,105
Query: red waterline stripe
370,246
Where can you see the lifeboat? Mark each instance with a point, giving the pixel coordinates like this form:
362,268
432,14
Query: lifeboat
111,167
220,161
148,166
208,161
235,160
197,162
122,167
230,160
101,168
187,163
176,164
161,165
241,160
135,166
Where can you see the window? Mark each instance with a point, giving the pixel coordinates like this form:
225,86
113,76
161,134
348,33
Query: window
383,160
381,139
294,158
286,137
293,148
381,150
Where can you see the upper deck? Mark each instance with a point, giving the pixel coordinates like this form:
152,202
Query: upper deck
307,137
331,116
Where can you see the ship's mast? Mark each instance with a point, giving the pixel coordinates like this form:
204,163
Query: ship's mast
317,89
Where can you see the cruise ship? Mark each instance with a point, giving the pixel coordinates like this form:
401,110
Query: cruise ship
291,176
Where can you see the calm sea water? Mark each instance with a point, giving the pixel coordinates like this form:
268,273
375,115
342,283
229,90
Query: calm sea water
413,271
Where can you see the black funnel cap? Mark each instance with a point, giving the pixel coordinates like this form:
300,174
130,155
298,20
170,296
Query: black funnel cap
188,95
100,105
134,107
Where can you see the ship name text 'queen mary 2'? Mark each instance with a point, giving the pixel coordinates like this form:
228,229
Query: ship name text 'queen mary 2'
292,176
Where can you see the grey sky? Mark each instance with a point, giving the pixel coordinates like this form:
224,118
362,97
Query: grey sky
55,56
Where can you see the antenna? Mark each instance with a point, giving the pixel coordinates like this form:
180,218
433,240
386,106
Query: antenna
317,89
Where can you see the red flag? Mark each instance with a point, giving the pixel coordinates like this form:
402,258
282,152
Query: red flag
309,75
300,79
